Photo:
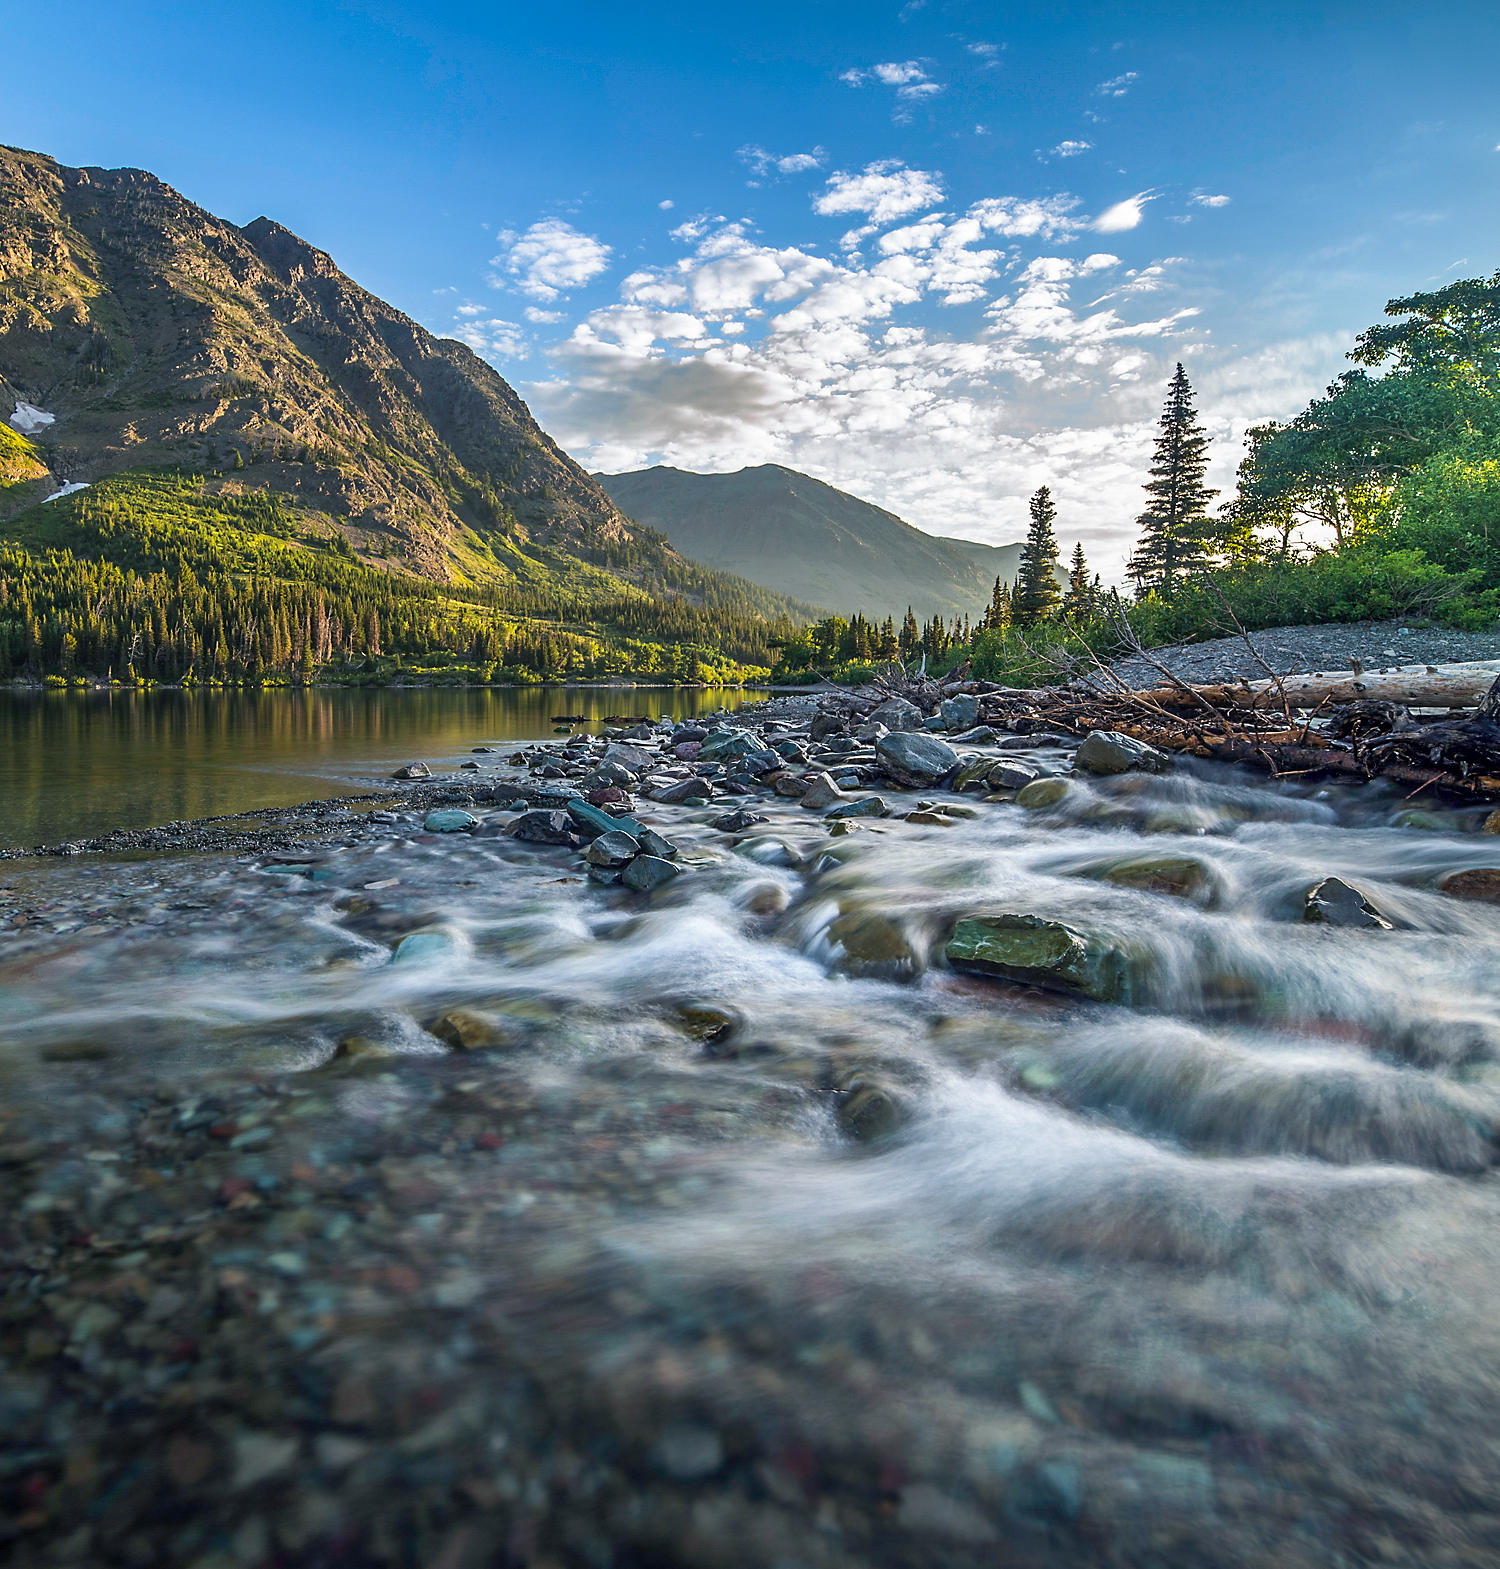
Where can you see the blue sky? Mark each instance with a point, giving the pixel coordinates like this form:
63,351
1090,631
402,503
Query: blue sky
937,253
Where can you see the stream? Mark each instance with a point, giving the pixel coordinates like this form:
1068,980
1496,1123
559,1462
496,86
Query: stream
420,1200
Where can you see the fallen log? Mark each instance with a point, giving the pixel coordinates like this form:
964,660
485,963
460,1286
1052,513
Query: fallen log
1416,686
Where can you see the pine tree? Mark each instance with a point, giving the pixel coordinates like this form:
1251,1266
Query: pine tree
997,616
1037,594
910,639
1175,525
1078,602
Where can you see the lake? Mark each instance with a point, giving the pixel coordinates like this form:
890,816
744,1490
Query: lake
84,763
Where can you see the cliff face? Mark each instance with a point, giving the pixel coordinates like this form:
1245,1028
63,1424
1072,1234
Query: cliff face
157,334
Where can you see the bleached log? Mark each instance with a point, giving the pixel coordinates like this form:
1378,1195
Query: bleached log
1418,686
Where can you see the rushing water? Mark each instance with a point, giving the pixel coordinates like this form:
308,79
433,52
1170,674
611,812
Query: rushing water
1206,1280
78,764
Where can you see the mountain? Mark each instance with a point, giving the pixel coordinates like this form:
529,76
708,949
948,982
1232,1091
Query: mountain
799,536
142,336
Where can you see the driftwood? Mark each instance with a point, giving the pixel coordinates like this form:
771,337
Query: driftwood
1417,686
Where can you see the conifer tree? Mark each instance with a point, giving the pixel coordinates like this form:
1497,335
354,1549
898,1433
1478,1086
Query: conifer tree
910,639
1175,526
997,616
1078,602
1037,594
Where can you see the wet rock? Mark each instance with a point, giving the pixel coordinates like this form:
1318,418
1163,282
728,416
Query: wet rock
687,750
926,816
1333,902
721,745
1043,793
959,713
683,791
633,758
422,947
591,820
605,776
875,945
826,724
896,714
980,735
1491,824
866,806
738,822
708,1022
1183,876
465,1029
1425,821
1481,883
1109,752
821,793
648,872
470,767
551,827
654,843
915,760
449,821
867,1111
612,850
413,771
973,774
1033,951
793,786
1011,774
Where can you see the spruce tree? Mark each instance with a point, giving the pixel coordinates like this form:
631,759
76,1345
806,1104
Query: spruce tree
1078,602
1175,526
1037,594
910,639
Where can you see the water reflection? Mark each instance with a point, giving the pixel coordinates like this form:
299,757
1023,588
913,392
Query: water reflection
80,764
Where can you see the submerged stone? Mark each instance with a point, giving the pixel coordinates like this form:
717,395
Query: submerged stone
1051,954
613,849
868,1111
1043,793
1333,902
1482,883
1183,876
464,1029
875,945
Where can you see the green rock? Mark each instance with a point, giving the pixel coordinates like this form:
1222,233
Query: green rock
1042,793
1426,822
866,806
449,821
875,946
1048,954
594,820
1183,876
648,872
422,948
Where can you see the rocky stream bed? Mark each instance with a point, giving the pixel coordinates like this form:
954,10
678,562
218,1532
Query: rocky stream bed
821,1139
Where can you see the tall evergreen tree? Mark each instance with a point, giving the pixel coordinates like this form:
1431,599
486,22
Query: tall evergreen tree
1037,594
1078,602
910,638
1175,526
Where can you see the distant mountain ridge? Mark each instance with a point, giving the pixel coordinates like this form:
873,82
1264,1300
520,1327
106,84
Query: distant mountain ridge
800,536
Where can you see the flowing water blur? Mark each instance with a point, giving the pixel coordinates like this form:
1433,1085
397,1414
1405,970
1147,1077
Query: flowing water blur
1206,1280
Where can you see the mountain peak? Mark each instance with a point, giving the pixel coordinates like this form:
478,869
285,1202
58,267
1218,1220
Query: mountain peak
287,253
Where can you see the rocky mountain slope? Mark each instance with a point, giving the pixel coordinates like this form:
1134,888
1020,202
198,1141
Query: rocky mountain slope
800,536
154,334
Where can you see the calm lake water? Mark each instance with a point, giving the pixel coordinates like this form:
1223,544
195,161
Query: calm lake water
75,764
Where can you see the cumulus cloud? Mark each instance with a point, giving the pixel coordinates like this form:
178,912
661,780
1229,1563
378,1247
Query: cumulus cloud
666,204
1070,149
493,338
909,78
1046,218
762,163
884,191
548,260
1118,86
1211,201
1123,215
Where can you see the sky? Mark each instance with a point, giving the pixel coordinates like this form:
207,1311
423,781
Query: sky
935,252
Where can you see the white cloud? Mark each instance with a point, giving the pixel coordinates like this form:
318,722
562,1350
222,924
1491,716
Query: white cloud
1045,219
1118,86
886,190
494,338
541,317
666,205
549,259
1211,201
909,78
1123,215
761,163
984,51
1071,149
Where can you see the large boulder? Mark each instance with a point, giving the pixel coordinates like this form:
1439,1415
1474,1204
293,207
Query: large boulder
634,759
1049,954
896,713
648,872
821,793
1109,752
915,760
721,745
591,821
959,713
